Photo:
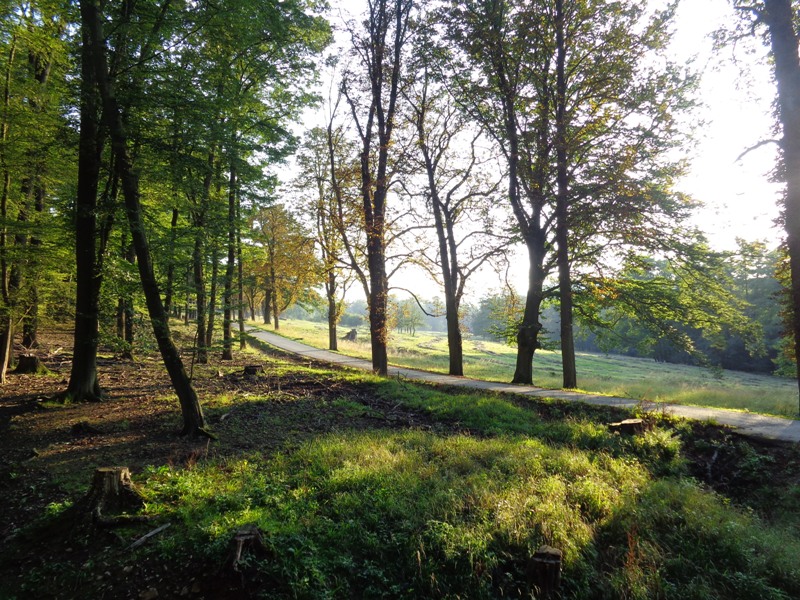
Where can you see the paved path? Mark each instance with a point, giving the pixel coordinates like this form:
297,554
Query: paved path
760,426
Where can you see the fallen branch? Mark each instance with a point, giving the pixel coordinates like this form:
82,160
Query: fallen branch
147,536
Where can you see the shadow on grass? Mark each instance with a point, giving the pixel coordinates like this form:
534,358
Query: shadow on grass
374,488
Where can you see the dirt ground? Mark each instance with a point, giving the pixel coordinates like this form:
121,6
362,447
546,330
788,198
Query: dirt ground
48,452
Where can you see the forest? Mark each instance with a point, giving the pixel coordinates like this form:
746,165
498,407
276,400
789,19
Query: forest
173,171
154,167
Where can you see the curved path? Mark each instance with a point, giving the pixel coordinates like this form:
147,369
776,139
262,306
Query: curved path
750,424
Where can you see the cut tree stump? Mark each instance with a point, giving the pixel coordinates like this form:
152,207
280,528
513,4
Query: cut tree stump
112,494
30,364
248,540
629,426
545,571
253,370
108,503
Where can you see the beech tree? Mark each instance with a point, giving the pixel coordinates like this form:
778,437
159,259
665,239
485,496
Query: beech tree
783,36
583,116
372,90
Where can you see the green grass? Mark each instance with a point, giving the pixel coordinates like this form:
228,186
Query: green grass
427,514
452,508
638,378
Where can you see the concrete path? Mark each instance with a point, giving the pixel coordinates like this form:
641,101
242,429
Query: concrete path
759,426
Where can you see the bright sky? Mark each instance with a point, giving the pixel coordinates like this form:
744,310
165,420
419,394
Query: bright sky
738,91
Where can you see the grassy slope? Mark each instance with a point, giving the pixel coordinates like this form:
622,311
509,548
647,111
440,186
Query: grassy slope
605,374
370,488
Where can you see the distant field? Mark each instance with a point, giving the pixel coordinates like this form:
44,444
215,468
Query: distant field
639,378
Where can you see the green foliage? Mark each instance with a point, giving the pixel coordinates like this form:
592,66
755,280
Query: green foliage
659,307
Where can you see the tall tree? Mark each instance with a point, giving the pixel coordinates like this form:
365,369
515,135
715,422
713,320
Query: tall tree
317,181
780,19
193,420
584,118
379,51
83,383
460,200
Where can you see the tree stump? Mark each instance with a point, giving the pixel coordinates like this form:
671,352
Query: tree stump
248,540
253,370
545,571
351,335
111,495
629,426
30,364
112,492
248,543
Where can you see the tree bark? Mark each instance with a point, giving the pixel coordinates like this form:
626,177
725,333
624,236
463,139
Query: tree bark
528,334
173,232
240,277
333,310
198,257
193,421
212,298
378,299
779,15
267,306
83,383
230,267
568,368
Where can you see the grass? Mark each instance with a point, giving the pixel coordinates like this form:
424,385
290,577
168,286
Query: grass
364,487
628,377
448,514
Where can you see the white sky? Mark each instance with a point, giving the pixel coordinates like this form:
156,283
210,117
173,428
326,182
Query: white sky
737,90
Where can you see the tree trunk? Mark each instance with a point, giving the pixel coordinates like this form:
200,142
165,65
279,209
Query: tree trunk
569,370
130,256
6,317
275,312
779,15
83,383
200,291
240,277
449,266
193,421
378,299
173,232
227,337
528,334
333,310
212,299
267,306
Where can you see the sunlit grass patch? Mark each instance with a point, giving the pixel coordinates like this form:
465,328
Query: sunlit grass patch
420,515
392,504
613,375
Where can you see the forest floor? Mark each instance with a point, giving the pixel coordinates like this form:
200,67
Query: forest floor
49,451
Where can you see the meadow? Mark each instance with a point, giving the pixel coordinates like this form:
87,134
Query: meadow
613,375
